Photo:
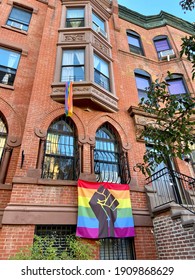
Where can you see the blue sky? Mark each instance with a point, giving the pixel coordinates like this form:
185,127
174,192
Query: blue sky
153,7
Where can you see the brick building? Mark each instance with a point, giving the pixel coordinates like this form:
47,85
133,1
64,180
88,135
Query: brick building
111,54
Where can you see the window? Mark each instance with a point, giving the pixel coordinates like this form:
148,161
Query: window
106,155
99,25
75,17
8,66
161,44
19,18
73,65
3,137
61,158
134,41
101,72
117,249
176,85
192,157
143,82
58,231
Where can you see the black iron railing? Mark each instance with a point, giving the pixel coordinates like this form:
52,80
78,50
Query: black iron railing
111,167
172,186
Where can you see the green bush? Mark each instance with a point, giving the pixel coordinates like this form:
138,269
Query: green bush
44,248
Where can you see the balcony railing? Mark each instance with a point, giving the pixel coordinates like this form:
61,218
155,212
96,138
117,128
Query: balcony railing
172,186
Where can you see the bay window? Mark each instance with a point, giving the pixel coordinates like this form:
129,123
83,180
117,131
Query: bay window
75,17
101,72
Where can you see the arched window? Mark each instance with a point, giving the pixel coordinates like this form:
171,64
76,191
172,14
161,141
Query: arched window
110,163
176,84
163,46
3,137
134,41
143,82
61,157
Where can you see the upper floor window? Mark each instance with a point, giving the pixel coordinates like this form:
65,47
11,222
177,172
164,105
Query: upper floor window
73,68
163,47
176,85
8,66
134,41
143,83
3,137
19,18
101,72
61,155
75,17
99,24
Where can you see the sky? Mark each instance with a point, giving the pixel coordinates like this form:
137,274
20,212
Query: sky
153,7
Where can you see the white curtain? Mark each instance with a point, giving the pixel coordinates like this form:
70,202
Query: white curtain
101,65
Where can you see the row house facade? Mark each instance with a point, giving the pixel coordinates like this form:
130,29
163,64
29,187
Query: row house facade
111,54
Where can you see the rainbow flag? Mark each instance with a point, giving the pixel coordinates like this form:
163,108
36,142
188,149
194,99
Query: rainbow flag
104,210
68,99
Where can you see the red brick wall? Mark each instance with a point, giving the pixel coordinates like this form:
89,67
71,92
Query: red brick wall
145,247
13,238
173,240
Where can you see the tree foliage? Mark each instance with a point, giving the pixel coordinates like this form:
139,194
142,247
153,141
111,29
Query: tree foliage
187,4
44,248
171,131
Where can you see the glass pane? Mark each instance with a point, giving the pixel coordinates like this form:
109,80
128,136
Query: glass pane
98,22
9,58
176,86
162,45
101,65
142,82
134,41
20,15
75,13
73,57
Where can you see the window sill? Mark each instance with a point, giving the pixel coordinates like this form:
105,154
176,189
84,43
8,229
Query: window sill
14,29
88,96
6,86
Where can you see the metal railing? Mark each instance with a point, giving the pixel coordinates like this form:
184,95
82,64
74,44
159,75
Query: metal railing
172,186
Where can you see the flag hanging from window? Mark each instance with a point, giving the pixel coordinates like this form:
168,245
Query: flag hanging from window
68,99
104,210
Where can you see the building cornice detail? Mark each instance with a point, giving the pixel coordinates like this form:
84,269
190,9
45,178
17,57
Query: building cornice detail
154,21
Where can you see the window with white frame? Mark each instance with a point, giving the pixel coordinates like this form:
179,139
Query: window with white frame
19,18
9,61
162,44
101,72
99,24
75,17
73,68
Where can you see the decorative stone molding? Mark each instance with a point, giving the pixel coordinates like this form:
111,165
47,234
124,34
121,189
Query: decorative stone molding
72,38
100,46
141,119
40,133
13,141
87,95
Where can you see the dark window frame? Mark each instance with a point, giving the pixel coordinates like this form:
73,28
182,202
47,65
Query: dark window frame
3,137
133,48
145,76
99,77
117,249
61,154
8,72
161,38
78,22
19,23
110,162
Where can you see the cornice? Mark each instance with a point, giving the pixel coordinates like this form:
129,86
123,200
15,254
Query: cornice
154,21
